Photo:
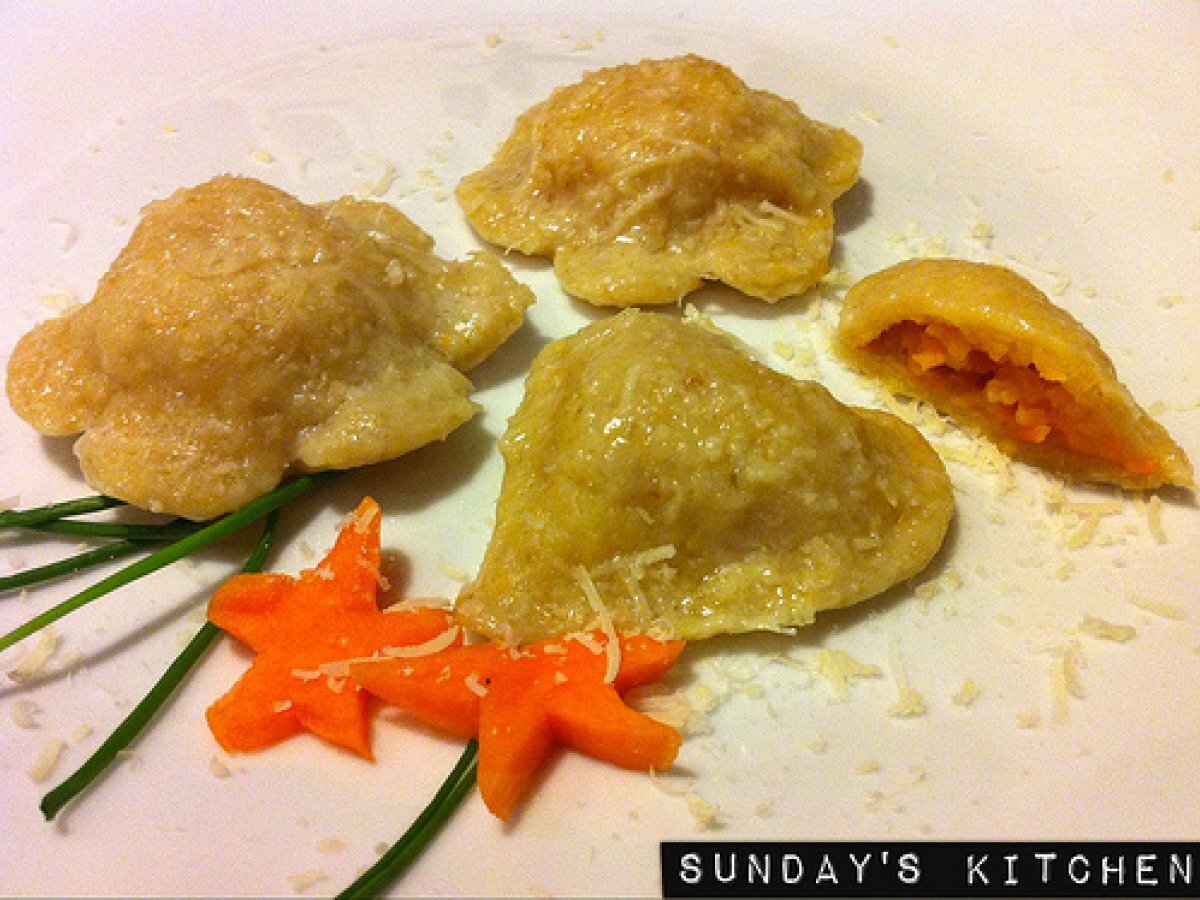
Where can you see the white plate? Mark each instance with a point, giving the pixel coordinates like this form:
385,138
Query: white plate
1060,140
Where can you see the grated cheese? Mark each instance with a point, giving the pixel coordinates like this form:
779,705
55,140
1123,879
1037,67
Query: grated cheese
417,603
1159,608
670,707
58,300
909,701
706,814
47,759
453,572
613,644
983,233
704,701
25,713
384,182
584,639
1154,520
427,648
914,240
951,580
1028,718
635,563
340,669
839,668
1064,681
967,693
302,881
35,659
665,784
927,590
784,350
1104,630
589,43
475,686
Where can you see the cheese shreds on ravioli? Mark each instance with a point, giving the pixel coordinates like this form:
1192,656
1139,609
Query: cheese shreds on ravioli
242,334
641,181
701,492
984,345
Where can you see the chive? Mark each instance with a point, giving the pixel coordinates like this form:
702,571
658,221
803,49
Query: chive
198,540
71,565
424,828
148,708
169,531
130,539
14,518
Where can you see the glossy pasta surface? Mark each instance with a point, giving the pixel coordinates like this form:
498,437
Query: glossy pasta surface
642,181
242,334
656,470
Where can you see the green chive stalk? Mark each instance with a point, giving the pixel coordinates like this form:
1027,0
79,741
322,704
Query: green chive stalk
169,531
71,565
424,828
24,518
197,540
148,708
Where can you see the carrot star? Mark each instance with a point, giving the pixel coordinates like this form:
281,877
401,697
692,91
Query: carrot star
518,701
302,630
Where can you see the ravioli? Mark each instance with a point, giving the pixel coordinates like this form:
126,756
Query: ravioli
982,344
657,475
641,181
242,334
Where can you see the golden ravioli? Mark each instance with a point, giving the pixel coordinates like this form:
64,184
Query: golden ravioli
984,345
696,490
641,181
242,334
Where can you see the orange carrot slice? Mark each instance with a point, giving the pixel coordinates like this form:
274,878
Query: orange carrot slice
515,734
303,629
442,690
521,700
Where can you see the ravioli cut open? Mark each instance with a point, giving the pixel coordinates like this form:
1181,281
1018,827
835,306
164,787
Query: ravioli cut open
984,345
658,475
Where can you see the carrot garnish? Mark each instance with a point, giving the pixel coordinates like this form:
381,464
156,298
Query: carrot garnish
322,645
519,701
302,630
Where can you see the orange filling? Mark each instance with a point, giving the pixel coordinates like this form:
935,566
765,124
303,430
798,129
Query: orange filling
1018,399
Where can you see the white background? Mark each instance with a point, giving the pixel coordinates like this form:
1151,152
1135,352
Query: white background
1058,138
